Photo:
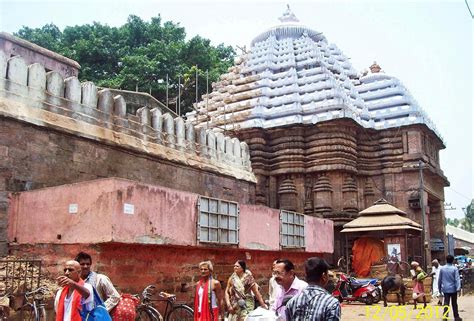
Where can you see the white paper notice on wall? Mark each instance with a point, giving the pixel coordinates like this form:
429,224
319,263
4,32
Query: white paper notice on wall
128,209
73,208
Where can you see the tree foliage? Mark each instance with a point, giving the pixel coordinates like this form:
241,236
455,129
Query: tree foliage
138,54
466,223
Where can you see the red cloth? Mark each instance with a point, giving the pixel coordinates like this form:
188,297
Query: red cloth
366,251
205,314
76,304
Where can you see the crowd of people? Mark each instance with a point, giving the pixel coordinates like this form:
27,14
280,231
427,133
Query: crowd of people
446,283
289,297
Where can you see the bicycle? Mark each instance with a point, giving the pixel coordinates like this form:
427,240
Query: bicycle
173,311
4,307
34,308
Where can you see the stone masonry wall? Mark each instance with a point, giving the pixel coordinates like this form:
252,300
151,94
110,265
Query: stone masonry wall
34,157
150,264
56,131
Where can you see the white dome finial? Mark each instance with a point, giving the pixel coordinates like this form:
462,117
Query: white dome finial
288,15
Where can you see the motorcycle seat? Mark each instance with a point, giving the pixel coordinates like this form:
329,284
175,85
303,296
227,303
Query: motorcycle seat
357,284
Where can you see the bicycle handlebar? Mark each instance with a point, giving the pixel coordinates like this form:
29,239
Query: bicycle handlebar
41,290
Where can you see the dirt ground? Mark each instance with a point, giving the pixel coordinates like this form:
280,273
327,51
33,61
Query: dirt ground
360,311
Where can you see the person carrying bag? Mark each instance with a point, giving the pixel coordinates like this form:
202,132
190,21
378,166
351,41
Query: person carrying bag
98,313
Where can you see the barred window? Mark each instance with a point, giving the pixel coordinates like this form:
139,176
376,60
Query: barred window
218,221
291,229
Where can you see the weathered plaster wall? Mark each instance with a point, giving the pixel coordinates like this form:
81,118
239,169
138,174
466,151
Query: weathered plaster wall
131,266
32,53
116,210
261,228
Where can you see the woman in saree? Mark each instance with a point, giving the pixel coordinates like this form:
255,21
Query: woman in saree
208,298
238,294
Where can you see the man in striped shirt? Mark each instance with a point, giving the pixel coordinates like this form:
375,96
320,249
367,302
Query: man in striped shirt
314,303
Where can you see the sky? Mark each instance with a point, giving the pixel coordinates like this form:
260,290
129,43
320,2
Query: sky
427,44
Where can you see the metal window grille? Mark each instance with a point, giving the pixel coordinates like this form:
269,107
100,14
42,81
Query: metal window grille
218,221
291,229
19,276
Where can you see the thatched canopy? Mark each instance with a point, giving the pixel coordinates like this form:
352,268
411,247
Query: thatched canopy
381,216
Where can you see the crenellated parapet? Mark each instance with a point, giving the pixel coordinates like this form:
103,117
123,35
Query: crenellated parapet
32,94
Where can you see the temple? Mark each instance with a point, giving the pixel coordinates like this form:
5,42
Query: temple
291,144
324,139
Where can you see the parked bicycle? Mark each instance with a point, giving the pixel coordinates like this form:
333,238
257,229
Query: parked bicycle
34,307
4,307
173,312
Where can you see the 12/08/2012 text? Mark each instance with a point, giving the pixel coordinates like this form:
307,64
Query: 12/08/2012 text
403,312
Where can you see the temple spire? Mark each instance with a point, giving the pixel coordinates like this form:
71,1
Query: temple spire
288,15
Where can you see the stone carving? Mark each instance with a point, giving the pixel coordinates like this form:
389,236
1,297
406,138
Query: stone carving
369,194
322,196
288,195
308,204
291,75
349,196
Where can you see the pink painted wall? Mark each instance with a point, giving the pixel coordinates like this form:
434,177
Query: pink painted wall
159,216
319,235
162,216
259,227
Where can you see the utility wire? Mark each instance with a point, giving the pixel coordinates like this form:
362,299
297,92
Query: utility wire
460,194
468,8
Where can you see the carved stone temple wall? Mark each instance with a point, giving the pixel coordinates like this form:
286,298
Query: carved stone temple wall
324,139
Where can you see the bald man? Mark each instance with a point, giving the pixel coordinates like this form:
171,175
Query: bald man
73,294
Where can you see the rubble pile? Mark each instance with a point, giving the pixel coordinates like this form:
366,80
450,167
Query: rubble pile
22,276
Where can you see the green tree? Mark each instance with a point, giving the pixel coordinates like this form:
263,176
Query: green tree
138,54
467,222
452,221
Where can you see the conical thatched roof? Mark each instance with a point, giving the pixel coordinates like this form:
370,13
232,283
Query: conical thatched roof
381,216
382,207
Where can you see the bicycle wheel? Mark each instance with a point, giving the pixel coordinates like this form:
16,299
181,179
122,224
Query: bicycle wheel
148,314
42,314
181,313
28,313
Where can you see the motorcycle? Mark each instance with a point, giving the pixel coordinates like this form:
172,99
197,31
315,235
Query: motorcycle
350,289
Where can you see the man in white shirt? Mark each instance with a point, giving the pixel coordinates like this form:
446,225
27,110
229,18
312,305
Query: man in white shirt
73,294
435,275
272,287
100,282
289,285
